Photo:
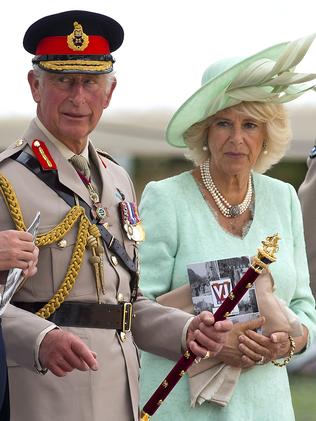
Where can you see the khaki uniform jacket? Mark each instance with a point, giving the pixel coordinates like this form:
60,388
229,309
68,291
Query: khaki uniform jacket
307,196
111,393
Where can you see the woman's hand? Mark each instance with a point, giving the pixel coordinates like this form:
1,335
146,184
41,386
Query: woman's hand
260,349
230,353
206,338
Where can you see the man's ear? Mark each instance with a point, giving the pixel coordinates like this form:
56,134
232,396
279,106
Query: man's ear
109,93
34,85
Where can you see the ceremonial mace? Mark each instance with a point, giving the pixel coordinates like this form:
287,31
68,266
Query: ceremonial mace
265,256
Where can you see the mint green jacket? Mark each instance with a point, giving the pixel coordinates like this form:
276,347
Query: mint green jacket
182,229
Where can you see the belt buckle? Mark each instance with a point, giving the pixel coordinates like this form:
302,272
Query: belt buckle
127,319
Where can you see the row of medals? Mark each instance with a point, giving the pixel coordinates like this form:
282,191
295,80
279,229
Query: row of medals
129,215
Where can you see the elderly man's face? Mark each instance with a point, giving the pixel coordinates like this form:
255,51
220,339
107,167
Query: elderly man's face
70,105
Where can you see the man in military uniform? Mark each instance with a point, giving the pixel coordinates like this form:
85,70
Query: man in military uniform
17,250
306,363
83,309
307,195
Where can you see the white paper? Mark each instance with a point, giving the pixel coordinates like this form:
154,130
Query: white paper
15,276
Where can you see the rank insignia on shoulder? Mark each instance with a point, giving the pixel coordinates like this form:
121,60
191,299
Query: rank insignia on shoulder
106,155
312,153
131,221
43,156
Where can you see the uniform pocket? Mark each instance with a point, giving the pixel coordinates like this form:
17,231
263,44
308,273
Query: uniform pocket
41,285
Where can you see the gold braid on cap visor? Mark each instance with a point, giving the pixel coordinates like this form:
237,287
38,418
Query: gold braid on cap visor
88,65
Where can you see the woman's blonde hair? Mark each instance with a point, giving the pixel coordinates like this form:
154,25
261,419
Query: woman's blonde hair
277,128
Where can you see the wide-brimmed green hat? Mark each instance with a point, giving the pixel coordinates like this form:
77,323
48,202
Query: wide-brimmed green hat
267,76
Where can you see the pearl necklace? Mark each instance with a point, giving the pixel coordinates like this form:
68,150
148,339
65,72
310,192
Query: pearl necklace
228,210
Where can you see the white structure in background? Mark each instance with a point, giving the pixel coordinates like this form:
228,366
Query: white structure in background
126,134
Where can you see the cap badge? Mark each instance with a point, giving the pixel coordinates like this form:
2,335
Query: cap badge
77,40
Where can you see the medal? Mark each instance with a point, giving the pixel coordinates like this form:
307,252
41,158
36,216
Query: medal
129,230
93,193
131,221
99,212
138,232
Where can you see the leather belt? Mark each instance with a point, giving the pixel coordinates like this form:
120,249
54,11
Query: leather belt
90,315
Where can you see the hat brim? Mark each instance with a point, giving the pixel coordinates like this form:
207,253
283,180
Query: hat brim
194,109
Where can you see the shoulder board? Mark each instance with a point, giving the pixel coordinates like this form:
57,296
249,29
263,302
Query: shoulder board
312,153
43,155
106,155
15,147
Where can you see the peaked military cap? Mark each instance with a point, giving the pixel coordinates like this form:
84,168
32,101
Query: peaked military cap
75,41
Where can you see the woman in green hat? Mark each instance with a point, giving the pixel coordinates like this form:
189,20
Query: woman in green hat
233,128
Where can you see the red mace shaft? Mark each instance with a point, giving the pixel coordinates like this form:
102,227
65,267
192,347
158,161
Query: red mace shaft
265,256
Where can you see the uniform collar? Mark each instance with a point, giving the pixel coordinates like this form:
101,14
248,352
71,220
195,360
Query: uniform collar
63,149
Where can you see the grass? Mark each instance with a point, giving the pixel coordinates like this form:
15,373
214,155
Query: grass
303,390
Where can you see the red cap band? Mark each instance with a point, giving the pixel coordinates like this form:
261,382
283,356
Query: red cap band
58,46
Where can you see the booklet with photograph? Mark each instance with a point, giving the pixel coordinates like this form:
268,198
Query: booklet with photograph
212,281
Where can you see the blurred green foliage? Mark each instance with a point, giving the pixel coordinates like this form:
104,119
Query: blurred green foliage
157,168
291,171
303,389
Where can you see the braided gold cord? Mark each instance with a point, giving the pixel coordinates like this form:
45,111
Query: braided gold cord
44,239
50,237
76,260
94,230
12,203
96,259
61,229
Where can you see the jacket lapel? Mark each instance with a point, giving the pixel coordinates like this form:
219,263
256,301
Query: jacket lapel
108,188
67,175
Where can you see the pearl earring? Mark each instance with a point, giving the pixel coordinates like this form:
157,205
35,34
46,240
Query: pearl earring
205,148
264,148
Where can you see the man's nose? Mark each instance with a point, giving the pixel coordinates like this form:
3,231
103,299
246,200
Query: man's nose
77,94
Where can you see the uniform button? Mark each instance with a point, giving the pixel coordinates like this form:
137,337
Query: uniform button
120,297
114,260
62,244
36,143
19,142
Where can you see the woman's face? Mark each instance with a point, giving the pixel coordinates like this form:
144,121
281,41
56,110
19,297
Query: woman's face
235,142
